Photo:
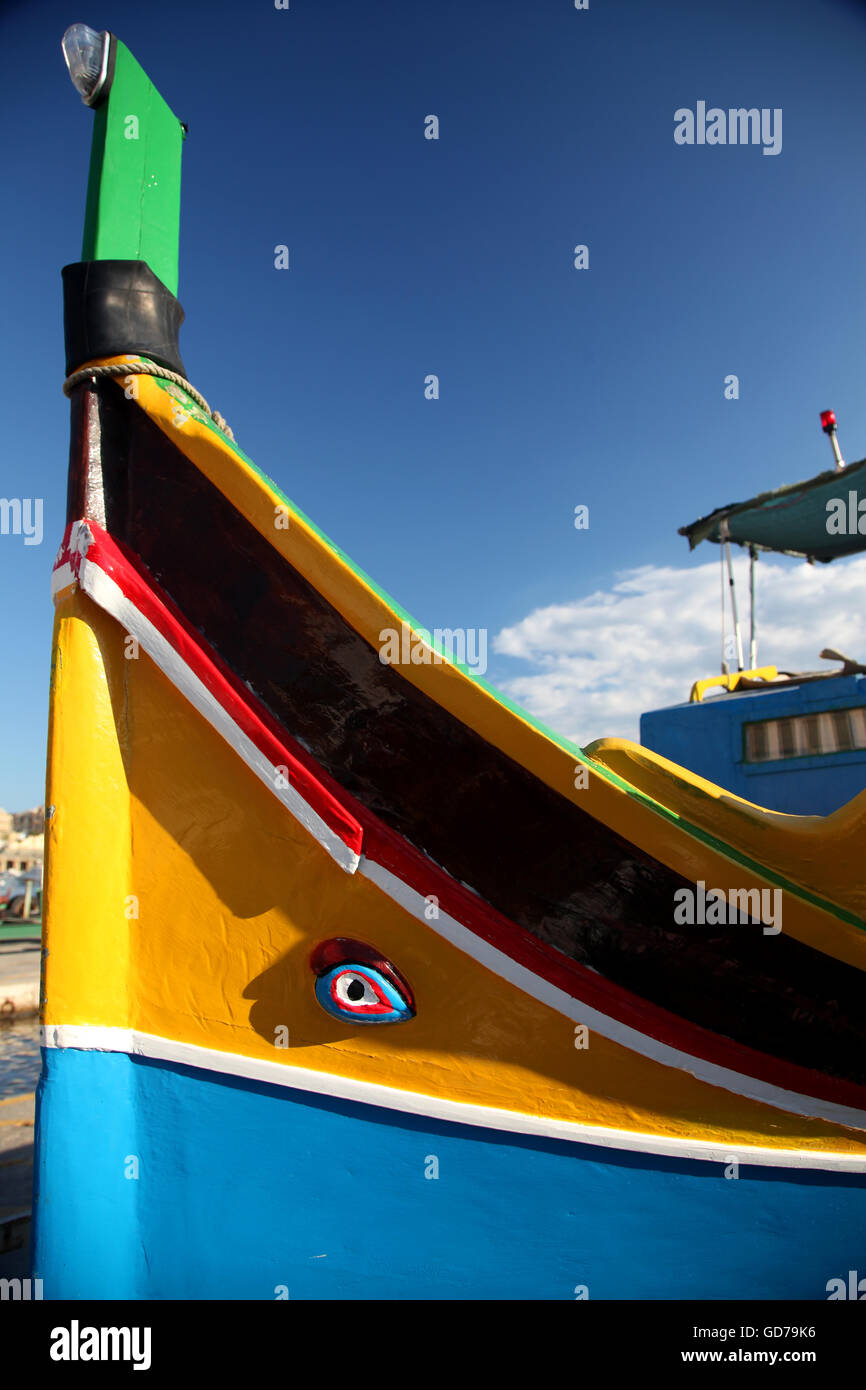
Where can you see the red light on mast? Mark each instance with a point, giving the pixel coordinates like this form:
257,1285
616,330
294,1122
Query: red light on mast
828,425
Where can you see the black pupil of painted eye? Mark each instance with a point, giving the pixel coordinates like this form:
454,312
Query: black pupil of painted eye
355,990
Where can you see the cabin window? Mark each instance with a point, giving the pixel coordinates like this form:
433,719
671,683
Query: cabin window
812,732
805,735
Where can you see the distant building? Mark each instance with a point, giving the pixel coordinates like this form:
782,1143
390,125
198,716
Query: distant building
20,852
22,841
29,822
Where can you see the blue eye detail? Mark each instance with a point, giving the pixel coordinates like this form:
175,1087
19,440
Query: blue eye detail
356,982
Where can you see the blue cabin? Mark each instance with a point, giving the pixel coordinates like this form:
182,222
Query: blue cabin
794,747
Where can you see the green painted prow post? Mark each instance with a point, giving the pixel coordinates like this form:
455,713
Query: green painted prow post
133,191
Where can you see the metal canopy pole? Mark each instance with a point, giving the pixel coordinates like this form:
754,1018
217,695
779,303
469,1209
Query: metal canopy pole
725,534
724,613
753,628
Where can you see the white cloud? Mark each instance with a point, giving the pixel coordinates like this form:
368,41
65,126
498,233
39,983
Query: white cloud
602,660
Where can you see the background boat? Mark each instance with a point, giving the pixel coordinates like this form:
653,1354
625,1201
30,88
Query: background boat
792,741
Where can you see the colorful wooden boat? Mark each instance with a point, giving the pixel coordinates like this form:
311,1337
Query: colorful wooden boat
359,982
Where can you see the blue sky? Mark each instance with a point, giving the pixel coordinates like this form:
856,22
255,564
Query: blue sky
455,257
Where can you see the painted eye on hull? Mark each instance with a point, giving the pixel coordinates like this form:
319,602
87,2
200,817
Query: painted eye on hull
363,994
356,982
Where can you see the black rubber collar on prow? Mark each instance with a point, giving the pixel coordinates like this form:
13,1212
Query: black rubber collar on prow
116,307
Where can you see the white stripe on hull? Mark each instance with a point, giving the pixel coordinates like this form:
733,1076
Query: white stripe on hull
90,1038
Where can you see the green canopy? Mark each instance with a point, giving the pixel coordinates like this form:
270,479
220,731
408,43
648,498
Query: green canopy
819,520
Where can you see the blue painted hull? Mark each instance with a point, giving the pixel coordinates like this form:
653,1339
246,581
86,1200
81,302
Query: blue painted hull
250,1191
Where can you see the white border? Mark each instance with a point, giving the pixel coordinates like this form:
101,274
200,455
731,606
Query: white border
96,1038
61,578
